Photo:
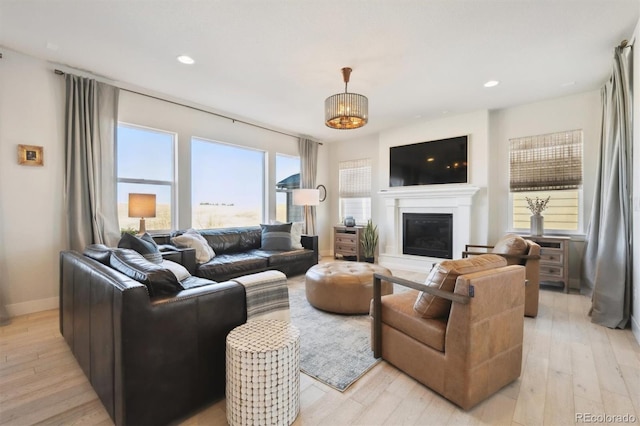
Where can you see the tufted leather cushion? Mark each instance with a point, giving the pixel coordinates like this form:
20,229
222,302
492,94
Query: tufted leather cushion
159,281
444,275
344,287
511,244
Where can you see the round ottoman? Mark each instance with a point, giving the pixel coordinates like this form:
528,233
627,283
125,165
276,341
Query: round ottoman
344,287
263,373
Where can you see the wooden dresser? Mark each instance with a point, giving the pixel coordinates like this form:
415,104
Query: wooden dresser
554,259
347,241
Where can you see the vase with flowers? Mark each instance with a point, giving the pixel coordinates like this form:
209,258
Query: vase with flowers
536,207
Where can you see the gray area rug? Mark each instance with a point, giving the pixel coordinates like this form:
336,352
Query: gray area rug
334,349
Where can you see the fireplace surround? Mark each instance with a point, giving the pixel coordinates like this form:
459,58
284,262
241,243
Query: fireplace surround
455,200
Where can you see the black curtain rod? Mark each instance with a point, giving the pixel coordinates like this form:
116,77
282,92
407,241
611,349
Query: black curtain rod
234,120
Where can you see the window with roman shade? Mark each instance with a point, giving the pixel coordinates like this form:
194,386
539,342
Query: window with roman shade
548,165
355,189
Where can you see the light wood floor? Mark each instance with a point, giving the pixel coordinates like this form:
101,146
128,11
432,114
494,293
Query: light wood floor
570,367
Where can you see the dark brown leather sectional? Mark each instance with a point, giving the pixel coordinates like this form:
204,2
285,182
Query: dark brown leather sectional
150,360
238,252
154,356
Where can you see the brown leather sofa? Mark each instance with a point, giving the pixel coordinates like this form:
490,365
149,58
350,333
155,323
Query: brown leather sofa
151,360
517,251
467,355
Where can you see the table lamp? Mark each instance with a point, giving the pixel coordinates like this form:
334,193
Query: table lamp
142,205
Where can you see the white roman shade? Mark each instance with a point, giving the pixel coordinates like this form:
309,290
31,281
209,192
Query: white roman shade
355,178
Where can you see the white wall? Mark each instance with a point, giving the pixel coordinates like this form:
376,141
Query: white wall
581,111
32,210
357,149
476,125
32,223
635,302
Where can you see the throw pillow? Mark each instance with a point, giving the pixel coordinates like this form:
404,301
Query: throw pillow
297,229
444,275
276,237
144,244
511,244
159,281
204,252
177,269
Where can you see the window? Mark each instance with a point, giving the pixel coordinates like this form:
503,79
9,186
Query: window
227,185
544,166
145,163
355,190
288,179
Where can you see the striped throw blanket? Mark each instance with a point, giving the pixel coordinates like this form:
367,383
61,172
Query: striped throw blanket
267,295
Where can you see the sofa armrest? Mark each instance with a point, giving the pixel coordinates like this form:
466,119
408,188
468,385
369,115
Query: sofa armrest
377,303
310,242
184,256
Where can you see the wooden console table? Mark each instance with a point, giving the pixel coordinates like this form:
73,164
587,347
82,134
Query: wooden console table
347,241
554,259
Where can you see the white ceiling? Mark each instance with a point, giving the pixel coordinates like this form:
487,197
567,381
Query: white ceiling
274,62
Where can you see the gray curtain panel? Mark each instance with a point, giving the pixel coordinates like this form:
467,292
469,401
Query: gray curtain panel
606,268
308,151
90,182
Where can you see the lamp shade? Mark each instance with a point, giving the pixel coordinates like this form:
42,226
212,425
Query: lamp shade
346,110
142,205
306,197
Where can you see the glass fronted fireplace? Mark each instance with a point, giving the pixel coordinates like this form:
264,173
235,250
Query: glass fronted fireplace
428,234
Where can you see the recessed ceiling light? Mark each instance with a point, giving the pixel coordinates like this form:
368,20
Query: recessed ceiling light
491,83
568,83
186,59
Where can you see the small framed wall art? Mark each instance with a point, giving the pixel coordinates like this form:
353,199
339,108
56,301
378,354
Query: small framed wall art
30,155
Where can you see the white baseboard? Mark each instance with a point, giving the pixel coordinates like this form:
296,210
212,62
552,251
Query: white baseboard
32,306
635,328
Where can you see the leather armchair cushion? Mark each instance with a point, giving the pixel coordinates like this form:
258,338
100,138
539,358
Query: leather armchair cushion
511,244
159,281
145,245
397,313
444,275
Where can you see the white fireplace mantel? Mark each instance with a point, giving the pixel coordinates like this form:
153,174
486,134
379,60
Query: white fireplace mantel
452,199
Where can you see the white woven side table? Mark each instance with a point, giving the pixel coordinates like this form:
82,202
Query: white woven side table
263,373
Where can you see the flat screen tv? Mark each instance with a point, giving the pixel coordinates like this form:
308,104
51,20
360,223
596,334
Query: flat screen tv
429,163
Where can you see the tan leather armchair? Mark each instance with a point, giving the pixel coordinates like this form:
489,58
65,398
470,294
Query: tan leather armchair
466,357
530,259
